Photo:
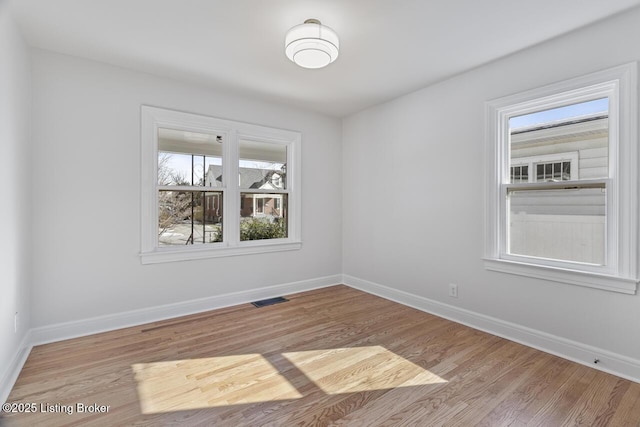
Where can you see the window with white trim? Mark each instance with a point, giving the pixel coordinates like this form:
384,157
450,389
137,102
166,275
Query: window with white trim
562,182
550,167
191,206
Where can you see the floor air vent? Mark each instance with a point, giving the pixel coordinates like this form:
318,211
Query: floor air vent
270,301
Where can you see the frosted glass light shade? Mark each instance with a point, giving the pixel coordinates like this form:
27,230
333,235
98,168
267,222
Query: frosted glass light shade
312,45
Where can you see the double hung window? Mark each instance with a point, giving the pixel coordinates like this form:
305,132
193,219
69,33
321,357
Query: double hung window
213,187
562,182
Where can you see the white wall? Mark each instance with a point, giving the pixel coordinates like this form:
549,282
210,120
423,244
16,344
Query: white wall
86,135
413,194
15,97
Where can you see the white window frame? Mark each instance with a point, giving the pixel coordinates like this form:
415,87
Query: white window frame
620,274
152,119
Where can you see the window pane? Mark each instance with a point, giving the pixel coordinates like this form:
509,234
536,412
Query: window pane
263,216
189,169
567,143
566,171
519,174
561,224
262,165
189,158
189,217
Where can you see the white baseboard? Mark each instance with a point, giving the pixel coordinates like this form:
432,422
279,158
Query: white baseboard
616,364
11,372
94,325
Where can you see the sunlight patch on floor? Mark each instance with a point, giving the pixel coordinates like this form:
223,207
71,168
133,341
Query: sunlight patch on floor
209,382
350,370
181,385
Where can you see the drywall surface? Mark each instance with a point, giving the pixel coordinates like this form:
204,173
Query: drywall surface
413,194
86,163
15,98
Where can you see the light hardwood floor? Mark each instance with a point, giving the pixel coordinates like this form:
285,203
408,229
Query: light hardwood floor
334,356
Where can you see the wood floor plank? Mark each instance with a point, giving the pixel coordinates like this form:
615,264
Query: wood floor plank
333,356
593,402
627,412
521,401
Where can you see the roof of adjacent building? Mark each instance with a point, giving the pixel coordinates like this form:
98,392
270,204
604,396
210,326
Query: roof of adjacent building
249,177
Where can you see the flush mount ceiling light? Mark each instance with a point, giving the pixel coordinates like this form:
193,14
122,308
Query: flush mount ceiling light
312,45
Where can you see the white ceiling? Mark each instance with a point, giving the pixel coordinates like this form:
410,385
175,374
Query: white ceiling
387,47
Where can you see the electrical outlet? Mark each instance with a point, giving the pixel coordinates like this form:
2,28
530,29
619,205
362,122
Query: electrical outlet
453,290
15,323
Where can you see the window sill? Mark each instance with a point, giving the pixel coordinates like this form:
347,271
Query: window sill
184,254
573,277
